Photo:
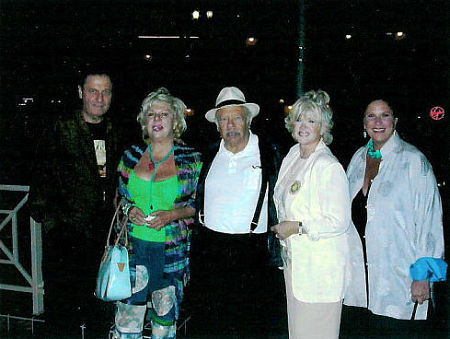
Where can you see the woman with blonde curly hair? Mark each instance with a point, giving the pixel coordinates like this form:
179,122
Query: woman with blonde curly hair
313,207
157,187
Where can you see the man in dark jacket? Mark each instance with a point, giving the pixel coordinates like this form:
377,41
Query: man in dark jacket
71,194
235,210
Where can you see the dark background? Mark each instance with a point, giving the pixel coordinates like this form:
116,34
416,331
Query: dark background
46,44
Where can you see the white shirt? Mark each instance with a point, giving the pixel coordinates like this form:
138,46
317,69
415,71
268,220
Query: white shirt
232,189
404,223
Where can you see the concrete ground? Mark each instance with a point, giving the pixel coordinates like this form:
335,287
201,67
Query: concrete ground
13,303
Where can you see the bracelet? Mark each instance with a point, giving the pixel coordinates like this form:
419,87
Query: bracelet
126,208
300,228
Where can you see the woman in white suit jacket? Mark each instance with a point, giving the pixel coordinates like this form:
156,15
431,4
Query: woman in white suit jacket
313,206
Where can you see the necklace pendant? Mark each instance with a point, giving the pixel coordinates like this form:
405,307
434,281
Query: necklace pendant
374,154
295,186
151,166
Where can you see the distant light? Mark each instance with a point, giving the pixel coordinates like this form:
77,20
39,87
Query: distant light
148,57
348,36
195,15
300,47
209,14
158,37
167,37
419,117
189,112
388,33
55,101
400,35
26,101
281,101
287,109
251,41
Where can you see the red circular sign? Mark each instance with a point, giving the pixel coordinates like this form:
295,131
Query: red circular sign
437,113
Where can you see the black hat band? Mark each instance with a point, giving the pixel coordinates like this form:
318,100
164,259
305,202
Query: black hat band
230,102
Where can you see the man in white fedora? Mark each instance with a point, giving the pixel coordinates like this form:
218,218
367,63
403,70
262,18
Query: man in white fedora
235,210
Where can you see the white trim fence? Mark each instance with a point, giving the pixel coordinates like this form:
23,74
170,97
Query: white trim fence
34,283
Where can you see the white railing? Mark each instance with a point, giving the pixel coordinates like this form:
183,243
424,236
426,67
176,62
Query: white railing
34,281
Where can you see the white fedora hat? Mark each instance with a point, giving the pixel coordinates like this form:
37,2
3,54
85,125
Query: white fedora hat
231,96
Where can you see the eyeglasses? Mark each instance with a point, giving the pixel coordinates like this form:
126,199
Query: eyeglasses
162,115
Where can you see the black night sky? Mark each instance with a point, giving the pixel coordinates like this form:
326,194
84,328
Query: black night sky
46,43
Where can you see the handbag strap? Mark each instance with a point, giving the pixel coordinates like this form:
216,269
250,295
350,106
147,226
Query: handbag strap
123,230
122,227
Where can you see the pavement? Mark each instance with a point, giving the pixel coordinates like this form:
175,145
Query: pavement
14,304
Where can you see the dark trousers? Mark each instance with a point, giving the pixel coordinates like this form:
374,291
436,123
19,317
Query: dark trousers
235,289
361,323
70,265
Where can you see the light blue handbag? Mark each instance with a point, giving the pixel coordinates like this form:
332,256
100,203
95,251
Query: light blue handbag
113,278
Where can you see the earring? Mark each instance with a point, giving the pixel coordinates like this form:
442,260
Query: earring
364,134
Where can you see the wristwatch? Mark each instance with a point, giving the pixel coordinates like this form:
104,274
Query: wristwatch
300,228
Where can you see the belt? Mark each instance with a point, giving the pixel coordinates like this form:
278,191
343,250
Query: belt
231,236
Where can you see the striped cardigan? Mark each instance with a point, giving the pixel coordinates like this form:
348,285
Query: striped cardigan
177,244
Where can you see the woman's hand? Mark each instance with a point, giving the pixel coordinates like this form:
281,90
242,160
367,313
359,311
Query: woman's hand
420,291
285,229
160,219
136,216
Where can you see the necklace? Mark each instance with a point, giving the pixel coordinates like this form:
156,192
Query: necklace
153,165
372,153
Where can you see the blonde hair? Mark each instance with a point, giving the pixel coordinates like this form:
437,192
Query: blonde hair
177,106
316,105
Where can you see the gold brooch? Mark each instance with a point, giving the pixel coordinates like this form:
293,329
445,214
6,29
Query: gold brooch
295,186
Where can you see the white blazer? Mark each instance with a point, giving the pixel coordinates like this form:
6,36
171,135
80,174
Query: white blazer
319,258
